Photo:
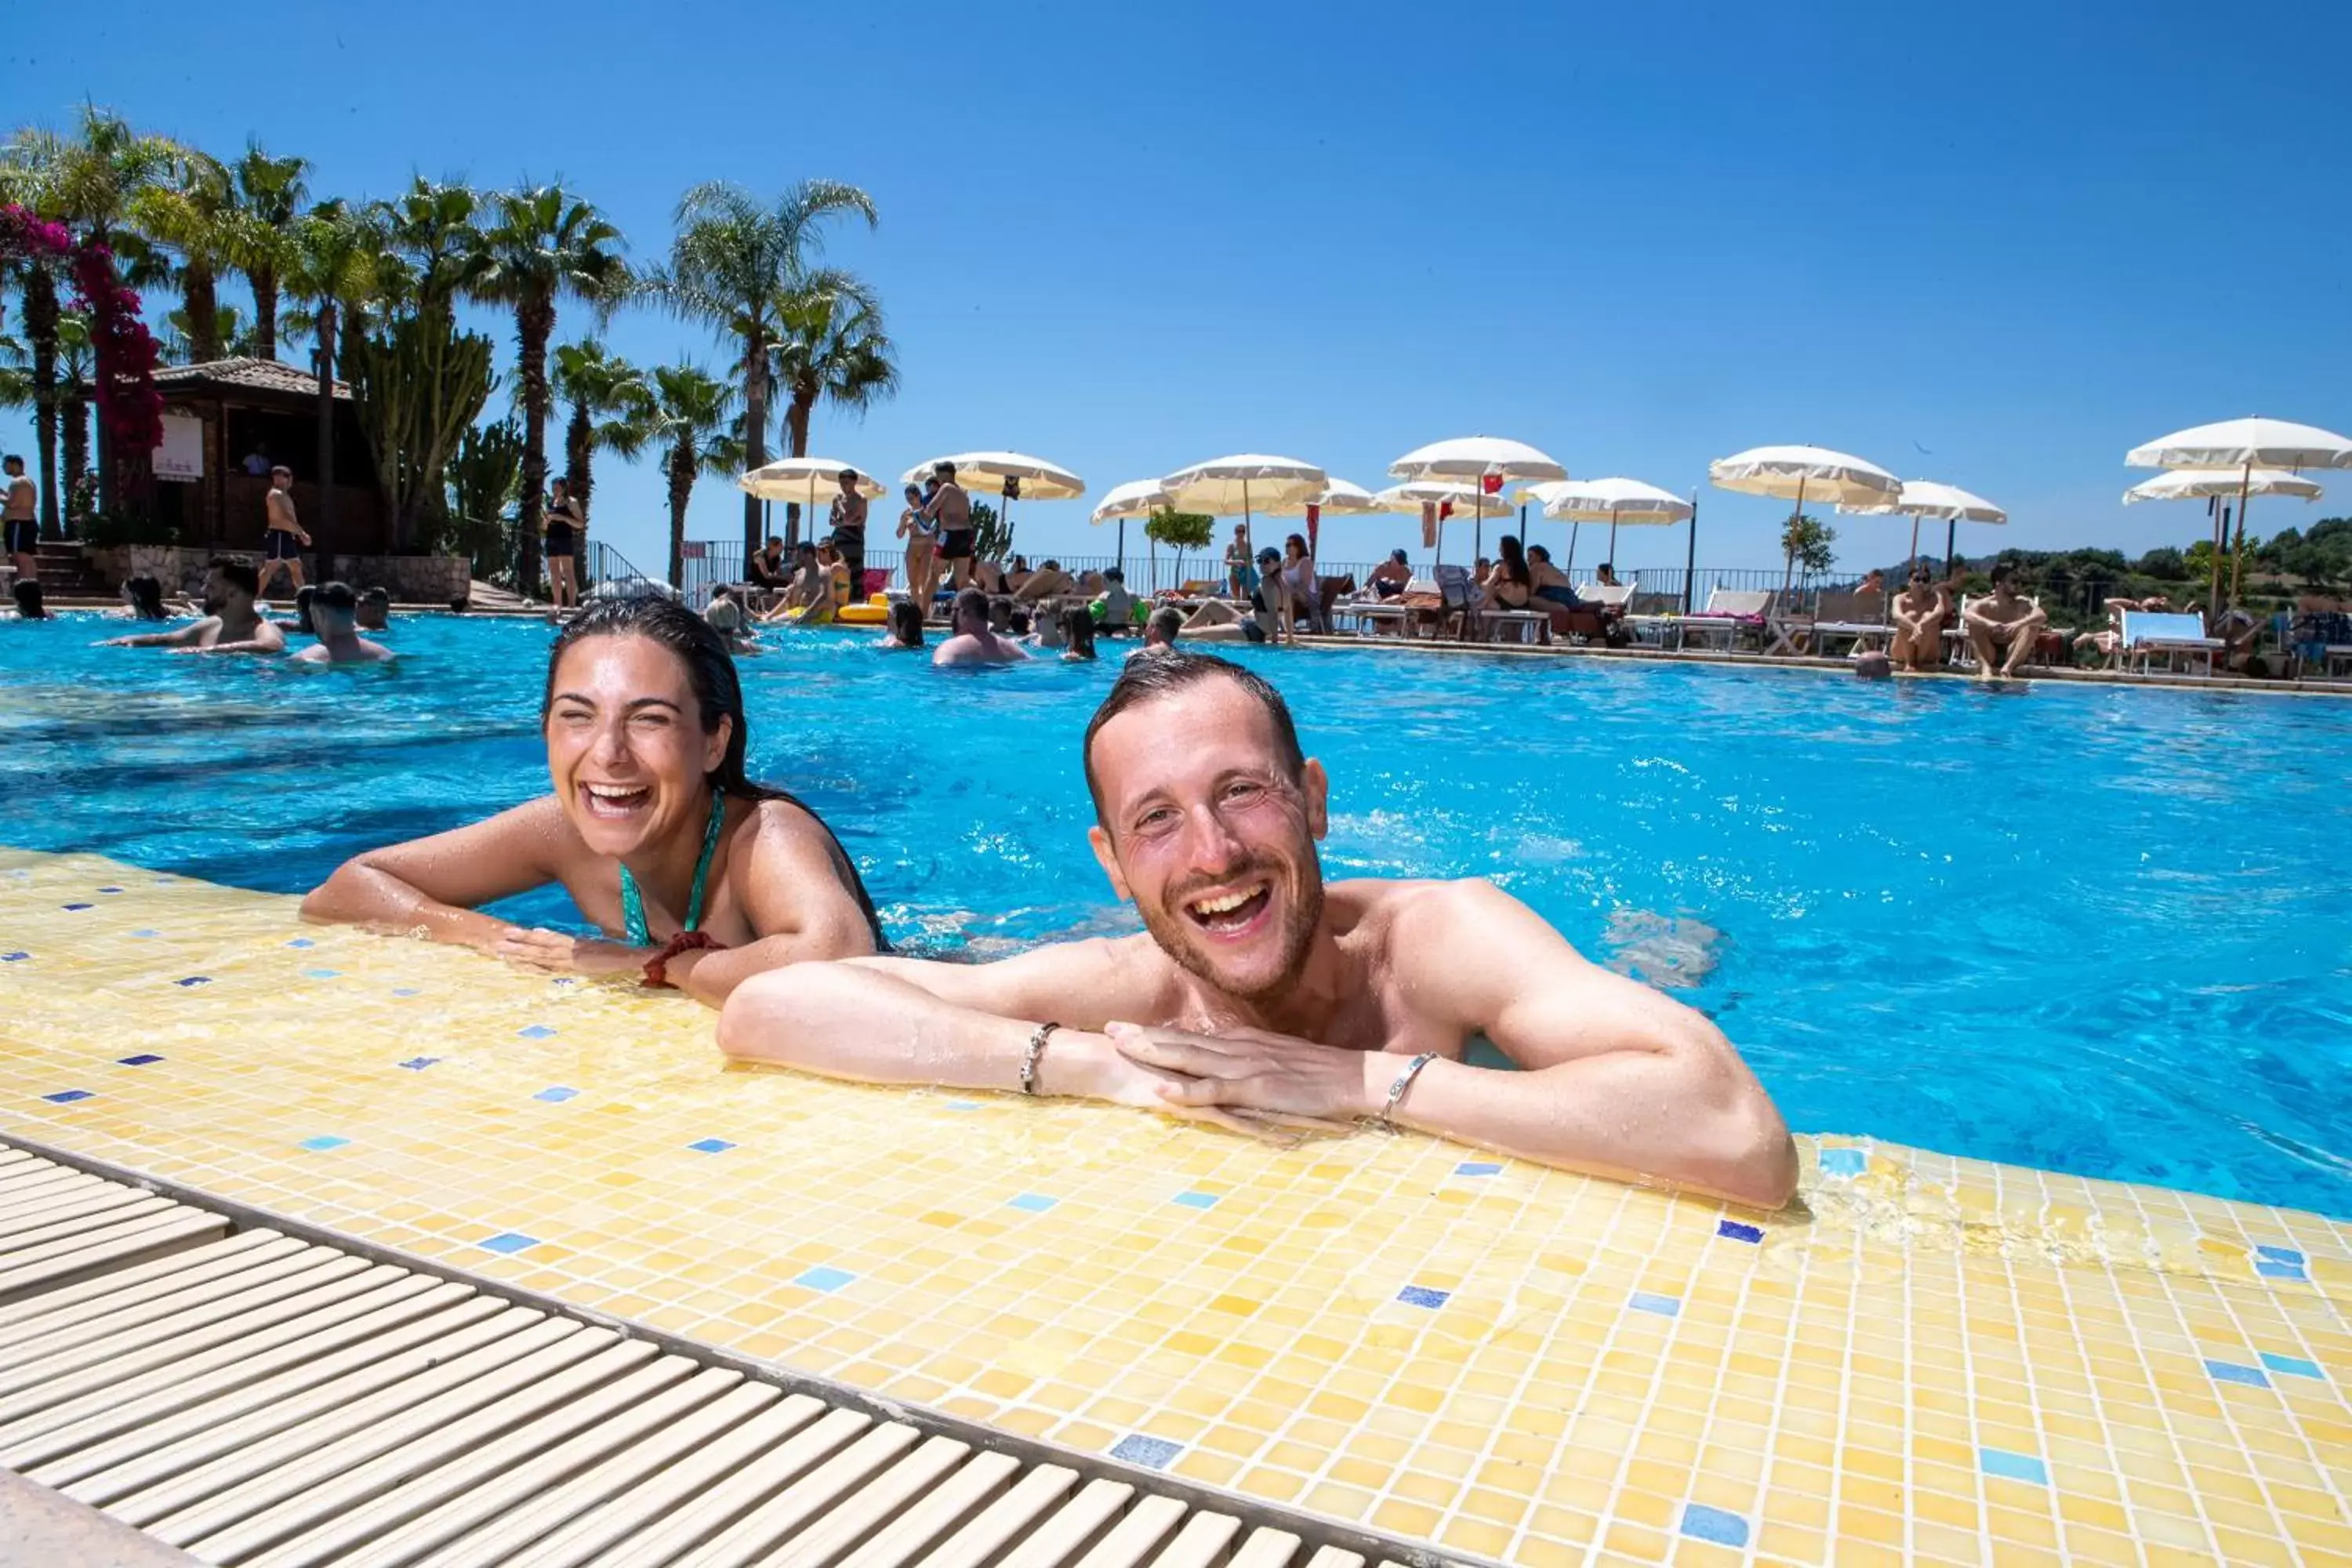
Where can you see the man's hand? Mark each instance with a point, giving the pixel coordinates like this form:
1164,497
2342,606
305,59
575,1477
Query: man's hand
557,954
1252,1069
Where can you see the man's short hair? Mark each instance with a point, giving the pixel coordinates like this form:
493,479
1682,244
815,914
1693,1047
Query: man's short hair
1167,620
376,597
2004,573
970,602
721,591
943,470
1164,674
775,539
237,573
337,597
1049,564
847,474
16,457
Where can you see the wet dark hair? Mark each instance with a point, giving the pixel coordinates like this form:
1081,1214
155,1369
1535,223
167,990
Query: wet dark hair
238,574
718,693
1539,552
1168,621
28,599
1079,630
1514,562
304,597
1398,556
146,597
1018,620
336,596
1164,674
906,623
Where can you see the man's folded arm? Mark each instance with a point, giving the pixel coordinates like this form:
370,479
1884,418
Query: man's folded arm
1619,1080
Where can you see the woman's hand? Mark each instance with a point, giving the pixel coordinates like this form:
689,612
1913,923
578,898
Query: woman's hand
556,954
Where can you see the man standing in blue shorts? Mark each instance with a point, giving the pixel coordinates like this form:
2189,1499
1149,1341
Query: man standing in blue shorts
17,517
282,538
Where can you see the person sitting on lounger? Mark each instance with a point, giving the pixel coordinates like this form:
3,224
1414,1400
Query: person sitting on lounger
1217,621
2109,642
1512,583
1918,614
2003,626
972,639
1048,582
697,875
1389,577
1258,991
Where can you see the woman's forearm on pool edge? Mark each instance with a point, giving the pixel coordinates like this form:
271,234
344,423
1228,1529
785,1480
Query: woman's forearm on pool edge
365,895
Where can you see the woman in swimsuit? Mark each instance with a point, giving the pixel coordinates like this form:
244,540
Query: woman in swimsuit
697,877
1510,585
562,523
922,542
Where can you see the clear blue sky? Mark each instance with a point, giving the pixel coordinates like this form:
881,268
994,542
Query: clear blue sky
1994,245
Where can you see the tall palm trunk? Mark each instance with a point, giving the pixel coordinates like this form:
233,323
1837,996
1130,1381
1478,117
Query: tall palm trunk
755,437
324,360
41,330
265,310
681,488
579,454
534,324
75,442
796,429
201,302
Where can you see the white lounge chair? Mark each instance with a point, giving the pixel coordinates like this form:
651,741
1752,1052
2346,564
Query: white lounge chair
2177,637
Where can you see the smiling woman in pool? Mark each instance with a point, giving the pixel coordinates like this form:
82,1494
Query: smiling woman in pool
653,829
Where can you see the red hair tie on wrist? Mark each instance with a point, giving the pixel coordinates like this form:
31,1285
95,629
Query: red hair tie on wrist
658,966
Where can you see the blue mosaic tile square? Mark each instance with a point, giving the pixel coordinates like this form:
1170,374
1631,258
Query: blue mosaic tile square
110,889
2279,1254
68,1096
1152,1453
13,957
1721,1526
146,931
195,980
535,1032
823,1278
2270,1270
1843,1162
324,1142
1664,1306
1196,1200
510,1242
2230,1371
302,942
418,1064
1478,1168
1732,1230
961,1105
710,1145
2012,1466
405,991
143,1059
1034,1202
2293,1365
557,1095
76,906
322,973
1422,1296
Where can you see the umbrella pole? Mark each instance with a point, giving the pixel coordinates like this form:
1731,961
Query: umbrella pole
1569,570
1122,547
1612,536
1789,559
1951,532
2237,550
1914,547
1690,557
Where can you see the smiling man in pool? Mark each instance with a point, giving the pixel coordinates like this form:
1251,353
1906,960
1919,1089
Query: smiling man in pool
1258,991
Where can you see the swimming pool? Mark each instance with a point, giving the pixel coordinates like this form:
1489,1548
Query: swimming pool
2094,930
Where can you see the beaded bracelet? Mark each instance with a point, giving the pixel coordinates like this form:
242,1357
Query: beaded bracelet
1029,1058
658,966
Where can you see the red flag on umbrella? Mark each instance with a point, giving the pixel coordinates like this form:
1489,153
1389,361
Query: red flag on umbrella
1492,484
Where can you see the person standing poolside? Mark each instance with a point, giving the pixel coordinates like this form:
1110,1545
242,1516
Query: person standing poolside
1257,991
849,532
1241,576
950,510
920,540
1918,614
2002,626
971,639
561,525
20,519
282,537
231,623
334,617
698,877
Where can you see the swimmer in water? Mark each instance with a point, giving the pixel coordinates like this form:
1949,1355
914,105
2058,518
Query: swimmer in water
698,876
334,620
1257,992
973,640
231,623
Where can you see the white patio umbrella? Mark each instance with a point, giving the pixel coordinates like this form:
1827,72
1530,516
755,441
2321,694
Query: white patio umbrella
1243,483
1613,500
1011,475
2243,444
1477,459
809,481
1925,498
1137,497
1798,473
1337,499
2199,484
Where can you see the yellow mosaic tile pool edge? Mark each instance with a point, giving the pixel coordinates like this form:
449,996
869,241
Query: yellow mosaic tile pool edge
1929,1359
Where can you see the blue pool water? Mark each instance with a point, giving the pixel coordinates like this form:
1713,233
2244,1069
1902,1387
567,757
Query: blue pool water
2097,930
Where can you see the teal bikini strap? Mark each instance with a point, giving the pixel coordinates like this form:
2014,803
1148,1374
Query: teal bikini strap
633,904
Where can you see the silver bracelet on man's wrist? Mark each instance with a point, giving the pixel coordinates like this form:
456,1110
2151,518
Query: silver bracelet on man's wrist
1386,1119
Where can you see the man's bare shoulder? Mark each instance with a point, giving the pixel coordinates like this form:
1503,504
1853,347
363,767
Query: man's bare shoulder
1413,916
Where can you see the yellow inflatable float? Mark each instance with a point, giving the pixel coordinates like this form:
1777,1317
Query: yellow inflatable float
873,613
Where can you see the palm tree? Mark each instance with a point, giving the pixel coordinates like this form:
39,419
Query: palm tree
688,415
545,244
743,268
436,227
601,388
231,336
835,349
195,215
332,265
270,195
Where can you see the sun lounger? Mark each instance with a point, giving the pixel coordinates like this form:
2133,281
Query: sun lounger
2176,637
1729,612
1612,596
1858,619
1458,600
